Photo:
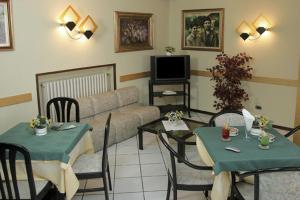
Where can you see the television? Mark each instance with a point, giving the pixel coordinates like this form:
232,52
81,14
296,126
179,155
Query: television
170,68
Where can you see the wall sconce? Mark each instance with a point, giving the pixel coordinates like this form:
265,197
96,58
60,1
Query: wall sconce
85,27
244,30
261,24
70,19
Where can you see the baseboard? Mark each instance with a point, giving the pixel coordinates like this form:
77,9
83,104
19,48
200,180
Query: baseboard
211,113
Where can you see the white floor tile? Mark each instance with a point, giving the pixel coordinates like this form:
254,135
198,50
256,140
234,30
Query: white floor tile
111,150
153,170
150,149
94,183
125,171
127,150
123,185
129,196
129,142
130,159
153,158
96,197
157,195
77,197
189,195
155,183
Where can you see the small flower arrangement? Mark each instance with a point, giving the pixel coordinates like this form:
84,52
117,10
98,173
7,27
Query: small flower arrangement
174,115
40,122
262,122
170,49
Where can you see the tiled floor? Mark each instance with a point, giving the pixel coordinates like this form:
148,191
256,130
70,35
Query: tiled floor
139,174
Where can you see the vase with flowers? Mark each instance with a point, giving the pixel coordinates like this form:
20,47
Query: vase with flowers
174,116
40,124
169,50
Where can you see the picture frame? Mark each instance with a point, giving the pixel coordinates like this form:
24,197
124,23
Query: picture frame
133,31
6,41
203,29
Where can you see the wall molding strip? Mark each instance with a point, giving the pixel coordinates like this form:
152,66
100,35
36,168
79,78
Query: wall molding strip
11,100
134,76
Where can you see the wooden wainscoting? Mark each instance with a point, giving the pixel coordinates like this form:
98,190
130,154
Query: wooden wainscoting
21,98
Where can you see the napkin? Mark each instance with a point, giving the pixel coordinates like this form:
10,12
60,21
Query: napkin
249,119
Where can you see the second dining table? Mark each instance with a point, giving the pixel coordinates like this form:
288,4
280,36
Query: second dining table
282,153
53,154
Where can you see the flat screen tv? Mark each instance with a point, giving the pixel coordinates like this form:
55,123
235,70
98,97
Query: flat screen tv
170,68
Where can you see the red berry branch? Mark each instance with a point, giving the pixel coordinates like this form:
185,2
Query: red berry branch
227,76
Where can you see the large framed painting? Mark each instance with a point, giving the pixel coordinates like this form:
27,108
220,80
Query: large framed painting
133,31
6,41
203,29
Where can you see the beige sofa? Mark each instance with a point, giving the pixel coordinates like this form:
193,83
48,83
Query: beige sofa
127,114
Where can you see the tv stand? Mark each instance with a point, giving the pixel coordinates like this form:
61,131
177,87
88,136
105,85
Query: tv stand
184,93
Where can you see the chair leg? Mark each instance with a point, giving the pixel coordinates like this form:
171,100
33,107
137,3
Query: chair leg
105,187
169,189
206,193
109,180
174,192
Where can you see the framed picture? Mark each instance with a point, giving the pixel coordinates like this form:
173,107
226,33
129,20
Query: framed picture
133,31
5,25
203,29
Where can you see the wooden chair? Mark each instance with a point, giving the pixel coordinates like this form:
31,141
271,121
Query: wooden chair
186,175
275,184
63,107
11,188
233,117
91,166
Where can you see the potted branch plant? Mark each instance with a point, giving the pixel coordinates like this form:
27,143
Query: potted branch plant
227,76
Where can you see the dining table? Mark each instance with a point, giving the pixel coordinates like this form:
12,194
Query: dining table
211,148
53,154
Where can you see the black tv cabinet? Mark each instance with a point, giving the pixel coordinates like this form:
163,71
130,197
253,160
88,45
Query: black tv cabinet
186,92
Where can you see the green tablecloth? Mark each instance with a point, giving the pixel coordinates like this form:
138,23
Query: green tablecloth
282,152
56,145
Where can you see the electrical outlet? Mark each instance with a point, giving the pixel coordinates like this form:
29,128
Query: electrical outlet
258,107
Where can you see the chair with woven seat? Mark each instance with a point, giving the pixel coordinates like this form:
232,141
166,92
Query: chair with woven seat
62,108
92,166
233,117
10,187
186,175
275,184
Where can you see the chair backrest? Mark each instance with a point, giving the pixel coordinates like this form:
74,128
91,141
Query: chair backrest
62,109
292,132
232,117
9,153
105,145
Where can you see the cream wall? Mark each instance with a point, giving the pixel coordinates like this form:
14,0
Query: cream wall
275,55
39,47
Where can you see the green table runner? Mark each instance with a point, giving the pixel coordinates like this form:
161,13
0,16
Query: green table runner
56,145
282,152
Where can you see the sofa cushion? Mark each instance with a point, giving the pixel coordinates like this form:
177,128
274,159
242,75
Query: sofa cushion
98,124
125,125
104,102
127,95
86,108
145,113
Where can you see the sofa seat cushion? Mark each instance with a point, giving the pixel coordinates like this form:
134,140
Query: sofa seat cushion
127,95
145,113
104,102
125,125
98,124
